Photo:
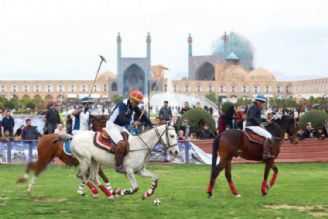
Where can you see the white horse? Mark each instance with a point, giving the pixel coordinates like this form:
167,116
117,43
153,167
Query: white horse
134,162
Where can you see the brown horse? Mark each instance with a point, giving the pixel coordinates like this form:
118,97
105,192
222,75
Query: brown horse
235,142
49,148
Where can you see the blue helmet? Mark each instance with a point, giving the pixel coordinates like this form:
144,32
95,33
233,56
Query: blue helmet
260,98
86,100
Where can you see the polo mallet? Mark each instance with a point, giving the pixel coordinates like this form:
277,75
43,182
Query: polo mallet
94,81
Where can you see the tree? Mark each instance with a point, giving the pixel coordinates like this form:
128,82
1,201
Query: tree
317,119
116,98
30,105
212,97
10,104
196,118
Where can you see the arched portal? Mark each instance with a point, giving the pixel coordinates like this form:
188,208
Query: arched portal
49,98
205,72
114,86
26,97
37,97
133,78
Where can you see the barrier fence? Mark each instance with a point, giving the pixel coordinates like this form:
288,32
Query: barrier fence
309,150
21,152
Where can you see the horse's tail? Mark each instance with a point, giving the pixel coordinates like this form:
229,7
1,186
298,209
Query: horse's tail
215,148
62,137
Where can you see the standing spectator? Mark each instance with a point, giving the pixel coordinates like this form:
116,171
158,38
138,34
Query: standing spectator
29,132
238,118
0,123
52,119
69,124
308,131
181,135
8,123
228,117
18,133
165,112
185,127
6,136
206,132
221,127
60,129
185,108
269,118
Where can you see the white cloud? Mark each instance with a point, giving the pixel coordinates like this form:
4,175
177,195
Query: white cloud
62,39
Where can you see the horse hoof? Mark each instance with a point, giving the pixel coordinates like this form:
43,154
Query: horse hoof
238,196
264,193
268,186
95,196
111,198
210,195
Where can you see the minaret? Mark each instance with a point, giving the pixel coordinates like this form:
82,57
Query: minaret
225,42
189,55
148,67
119,56
189,45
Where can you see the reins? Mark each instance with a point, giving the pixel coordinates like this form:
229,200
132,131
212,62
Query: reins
166,146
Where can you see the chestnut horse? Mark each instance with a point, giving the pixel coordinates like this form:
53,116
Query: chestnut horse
235,143
48,149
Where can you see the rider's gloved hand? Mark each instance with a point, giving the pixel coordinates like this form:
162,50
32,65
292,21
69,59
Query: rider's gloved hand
137,123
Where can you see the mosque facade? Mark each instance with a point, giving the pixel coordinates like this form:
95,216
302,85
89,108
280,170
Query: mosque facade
228,72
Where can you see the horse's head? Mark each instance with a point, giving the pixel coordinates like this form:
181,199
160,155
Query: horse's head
99,122
168,137
287,123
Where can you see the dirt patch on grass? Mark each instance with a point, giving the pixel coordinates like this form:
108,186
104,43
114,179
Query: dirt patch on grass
315,211
4,198
44,199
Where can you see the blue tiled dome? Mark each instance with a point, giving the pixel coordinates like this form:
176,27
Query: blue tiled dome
237,44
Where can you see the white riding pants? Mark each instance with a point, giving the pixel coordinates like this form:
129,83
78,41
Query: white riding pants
114,131
260,131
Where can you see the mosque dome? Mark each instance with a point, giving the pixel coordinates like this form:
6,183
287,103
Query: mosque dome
237,47
233,72
260,74
106,75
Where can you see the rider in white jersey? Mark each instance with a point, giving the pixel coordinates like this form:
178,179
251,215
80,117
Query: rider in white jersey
81,117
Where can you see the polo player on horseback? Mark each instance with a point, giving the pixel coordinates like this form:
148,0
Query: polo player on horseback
253,122
122,116
82,116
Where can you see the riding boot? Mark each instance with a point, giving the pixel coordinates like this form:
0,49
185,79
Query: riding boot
266,150
119,156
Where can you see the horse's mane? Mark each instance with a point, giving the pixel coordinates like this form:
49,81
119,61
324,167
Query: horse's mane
281,121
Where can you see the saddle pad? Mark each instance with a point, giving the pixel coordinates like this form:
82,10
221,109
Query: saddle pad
103,142
253,137
67,147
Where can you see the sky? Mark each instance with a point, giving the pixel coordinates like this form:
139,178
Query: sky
62,39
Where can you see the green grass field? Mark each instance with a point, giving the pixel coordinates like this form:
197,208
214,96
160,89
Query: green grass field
300,192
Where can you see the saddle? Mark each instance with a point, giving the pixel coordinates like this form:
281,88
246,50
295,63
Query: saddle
253,137
103,141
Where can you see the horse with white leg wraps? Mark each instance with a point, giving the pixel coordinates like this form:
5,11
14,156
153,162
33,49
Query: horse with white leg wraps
90,156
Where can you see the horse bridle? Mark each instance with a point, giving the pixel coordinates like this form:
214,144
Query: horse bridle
166,146
293,137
